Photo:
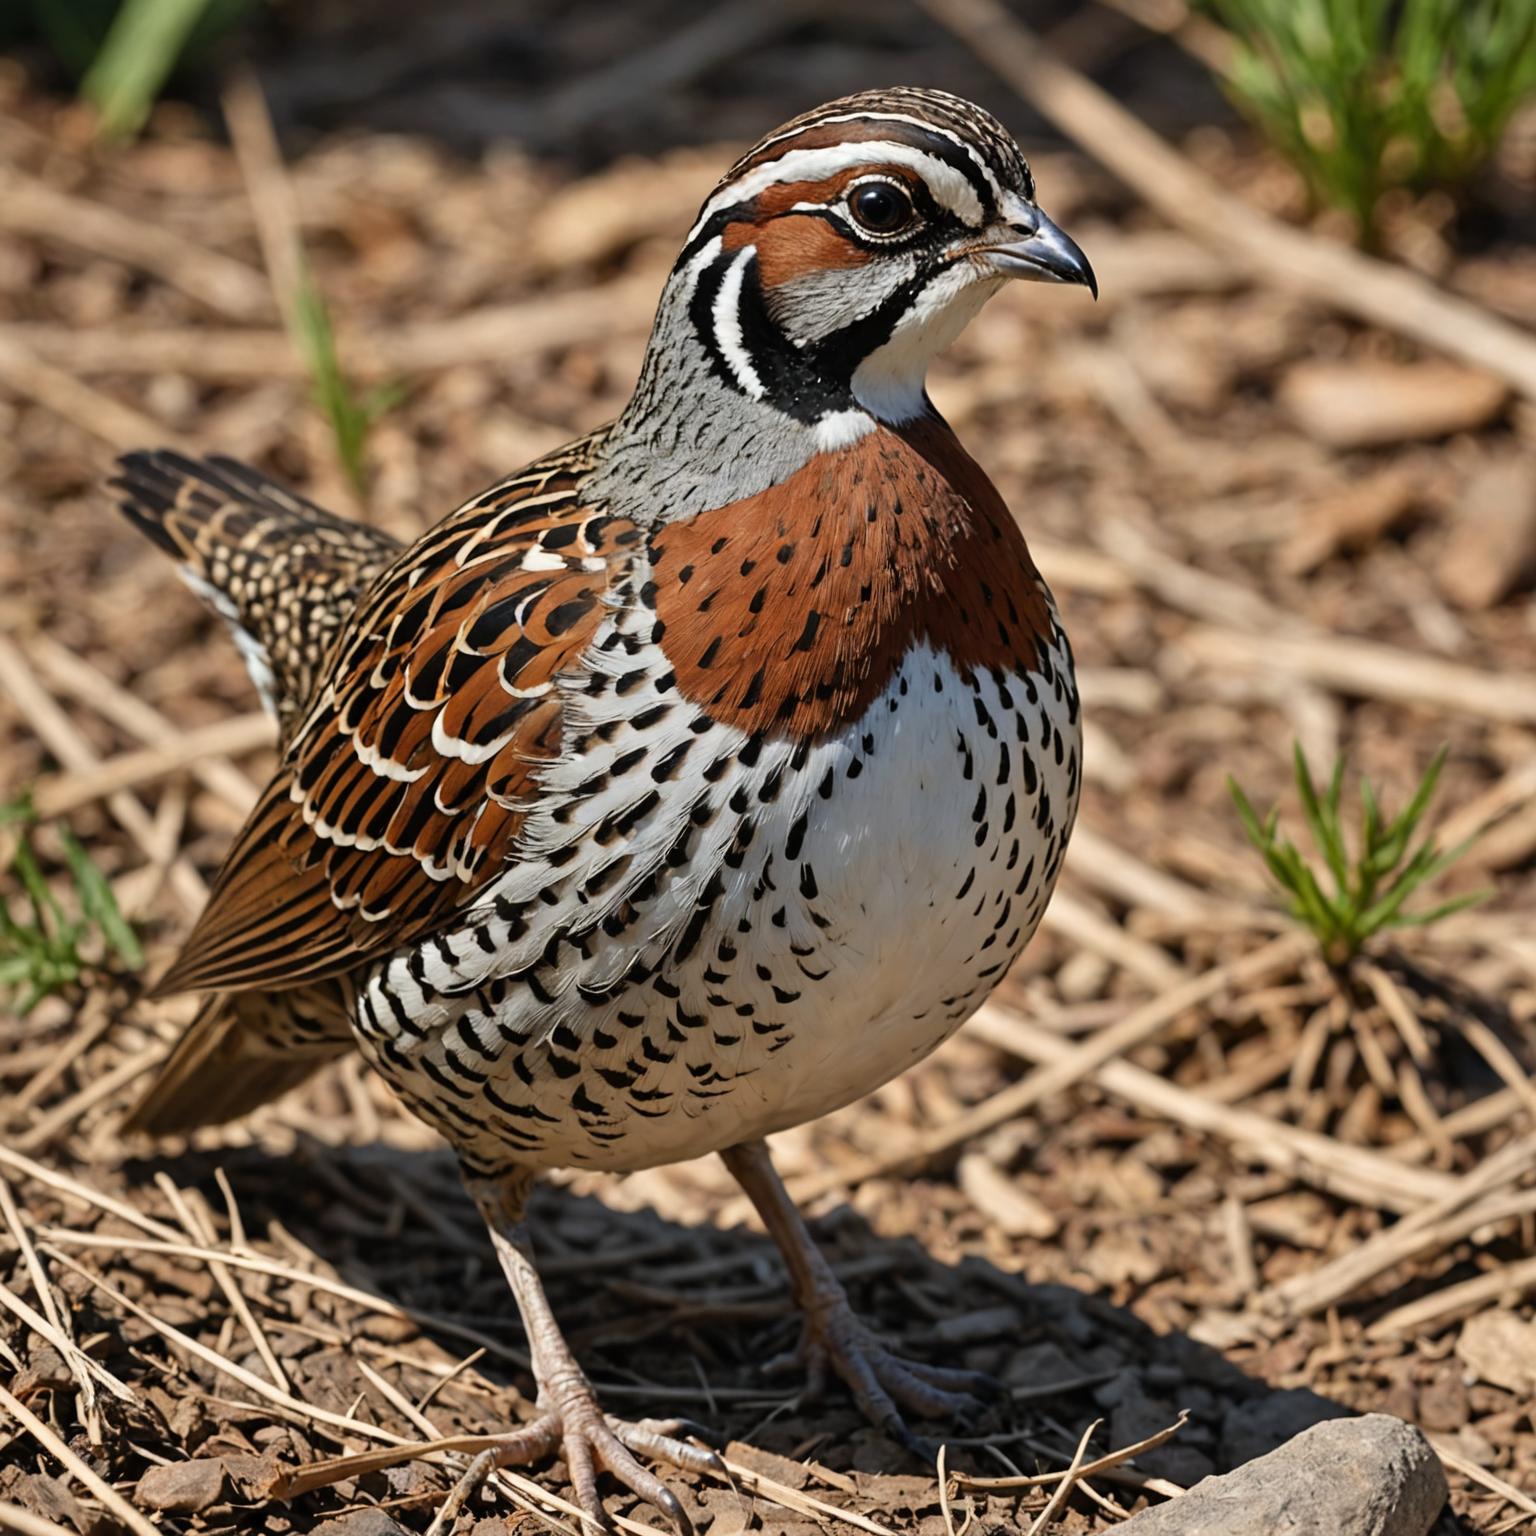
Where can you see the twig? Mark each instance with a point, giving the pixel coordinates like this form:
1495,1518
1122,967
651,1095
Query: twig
1064,1487
1366,669
60,1059
1476,1200
1420,1318
1354,1173
119,426
1480,1475
198,1230
1112,1459
66,1112
232,288
1117,872
497,333
1517,787
1475,1119
273,205
1394,298
14,1518
41,1326
1087,929
62,793
77,678
86,1371
312,1412
113,1501
87,1196
174,1247
60,735
1501,1059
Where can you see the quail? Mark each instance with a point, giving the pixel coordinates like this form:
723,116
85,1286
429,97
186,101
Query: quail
687,784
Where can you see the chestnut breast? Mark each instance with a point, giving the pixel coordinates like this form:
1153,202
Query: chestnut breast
787,613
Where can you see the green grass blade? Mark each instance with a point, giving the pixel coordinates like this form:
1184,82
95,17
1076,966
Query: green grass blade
99,904
1322,816
1434,914
141,49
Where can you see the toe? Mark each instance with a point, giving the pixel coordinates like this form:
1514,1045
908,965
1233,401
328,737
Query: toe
923,1398
952,1379
531,1442
656,1439
611,1451
582,1466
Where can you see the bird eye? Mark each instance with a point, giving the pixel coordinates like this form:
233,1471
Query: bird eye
880,207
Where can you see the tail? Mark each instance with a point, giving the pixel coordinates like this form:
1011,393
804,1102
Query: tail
241,1052
284,573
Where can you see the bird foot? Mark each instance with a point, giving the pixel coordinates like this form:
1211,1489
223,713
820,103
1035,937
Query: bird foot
572,1423
882,1383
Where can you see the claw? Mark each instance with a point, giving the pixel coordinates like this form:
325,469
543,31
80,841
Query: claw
882,1383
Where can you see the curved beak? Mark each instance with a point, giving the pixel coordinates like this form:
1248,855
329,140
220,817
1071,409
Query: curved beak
1032,247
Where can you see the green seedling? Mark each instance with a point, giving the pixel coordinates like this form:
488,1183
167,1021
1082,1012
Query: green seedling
1365,95
1369,886
44,947
351,417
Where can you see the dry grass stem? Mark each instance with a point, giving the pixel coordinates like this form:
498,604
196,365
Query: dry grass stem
80,1471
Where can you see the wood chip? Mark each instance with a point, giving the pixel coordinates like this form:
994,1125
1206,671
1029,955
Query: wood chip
1492,547
1500,1347
1369,404
1015,1211
1350,519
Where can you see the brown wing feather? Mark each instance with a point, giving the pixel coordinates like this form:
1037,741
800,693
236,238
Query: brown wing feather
403,791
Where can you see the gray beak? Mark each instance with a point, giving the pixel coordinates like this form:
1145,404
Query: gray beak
1042,252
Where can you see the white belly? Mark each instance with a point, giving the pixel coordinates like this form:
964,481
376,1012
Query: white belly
838,911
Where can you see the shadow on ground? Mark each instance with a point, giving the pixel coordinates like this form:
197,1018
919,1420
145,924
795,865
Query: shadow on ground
672,1318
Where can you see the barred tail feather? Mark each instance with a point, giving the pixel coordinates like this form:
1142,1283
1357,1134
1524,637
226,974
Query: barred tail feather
239,1053
284,573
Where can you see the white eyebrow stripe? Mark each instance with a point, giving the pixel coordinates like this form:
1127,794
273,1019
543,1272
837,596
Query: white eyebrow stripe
727,317
949,186
976,159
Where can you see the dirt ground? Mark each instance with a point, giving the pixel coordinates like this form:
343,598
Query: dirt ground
1246,1188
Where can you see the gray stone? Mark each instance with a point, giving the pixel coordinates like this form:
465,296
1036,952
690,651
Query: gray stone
1371,1476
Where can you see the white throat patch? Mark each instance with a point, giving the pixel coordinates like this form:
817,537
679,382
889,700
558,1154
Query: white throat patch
890,382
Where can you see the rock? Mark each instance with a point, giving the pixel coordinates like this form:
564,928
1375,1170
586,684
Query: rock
183,1487
1372,1476
361,1522
1260,1425
1499,1347
1492,547
1368,404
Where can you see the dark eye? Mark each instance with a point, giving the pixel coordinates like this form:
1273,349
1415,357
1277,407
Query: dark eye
880,208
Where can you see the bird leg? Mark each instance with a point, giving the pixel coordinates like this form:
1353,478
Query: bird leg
570,1418
833,1337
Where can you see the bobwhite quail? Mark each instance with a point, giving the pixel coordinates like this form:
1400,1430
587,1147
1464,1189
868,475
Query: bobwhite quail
686,785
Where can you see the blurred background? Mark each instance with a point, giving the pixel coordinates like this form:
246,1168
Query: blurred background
1282,478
